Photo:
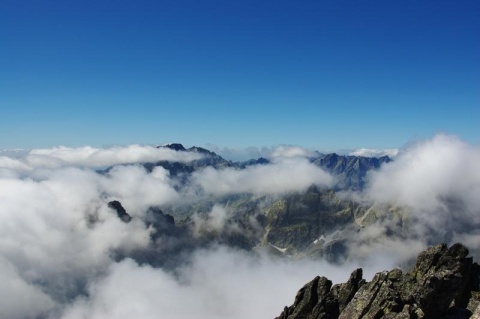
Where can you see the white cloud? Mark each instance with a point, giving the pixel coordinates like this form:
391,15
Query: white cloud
429,174
137,189
382,244
94,157
242,154
46,223
282,176
218,283
13,164
214,221
88,156
20,299
291,151
57,231
435,184
219,220
371,152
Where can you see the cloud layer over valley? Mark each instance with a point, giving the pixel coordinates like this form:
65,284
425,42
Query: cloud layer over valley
65,253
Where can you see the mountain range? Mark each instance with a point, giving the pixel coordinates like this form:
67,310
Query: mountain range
350,171
307,223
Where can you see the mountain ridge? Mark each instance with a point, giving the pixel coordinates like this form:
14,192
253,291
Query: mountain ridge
350,171
444,283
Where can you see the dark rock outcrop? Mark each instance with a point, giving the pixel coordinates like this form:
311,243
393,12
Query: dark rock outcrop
253,162
174,146
442,284
318,299
121,212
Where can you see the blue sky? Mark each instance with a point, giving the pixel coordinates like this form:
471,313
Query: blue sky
322,74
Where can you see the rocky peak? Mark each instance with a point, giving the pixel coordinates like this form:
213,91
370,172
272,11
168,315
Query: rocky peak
175,147
444,283
121,212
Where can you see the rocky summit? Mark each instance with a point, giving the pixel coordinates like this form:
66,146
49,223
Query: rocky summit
444,283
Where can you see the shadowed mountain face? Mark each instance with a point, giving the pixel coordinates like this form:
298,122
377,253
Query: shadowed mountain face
444,283
350,171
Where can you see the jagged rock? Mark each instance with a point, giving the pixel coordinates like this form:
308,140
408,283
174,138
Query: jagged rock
377,298
318,299
174,146
307,299
343,293
442,284
476,314
121,212
444,281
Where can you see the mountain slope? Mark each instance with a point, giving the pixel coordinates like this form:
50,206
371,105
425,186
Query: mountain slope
350,171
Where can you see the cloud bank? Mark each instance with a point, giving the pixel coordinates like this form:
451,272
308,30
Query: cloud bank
284,175
59,241
218,283
242,154
429,194
371,152
57,232
430,175
91,157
